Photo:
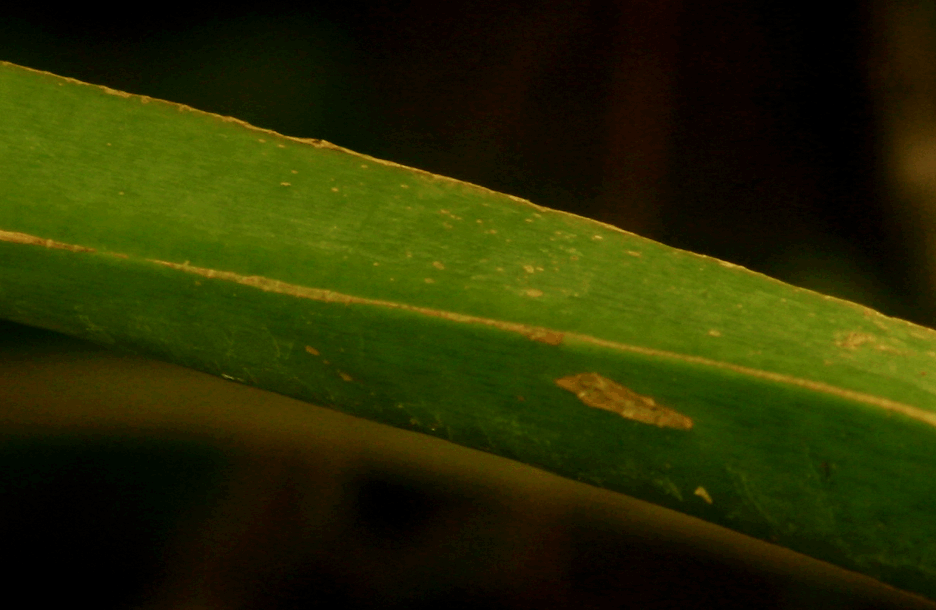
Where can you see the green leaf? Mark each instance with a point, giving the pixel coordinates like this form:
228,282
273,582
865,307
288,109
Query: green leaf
442,307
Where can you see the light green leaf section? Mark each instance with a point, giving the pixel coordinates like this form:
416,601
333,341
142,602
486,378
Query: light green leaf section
442,307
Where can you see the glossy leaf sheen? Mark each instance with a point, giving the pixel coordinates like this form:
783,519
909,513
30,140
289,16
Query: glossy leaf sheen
442,307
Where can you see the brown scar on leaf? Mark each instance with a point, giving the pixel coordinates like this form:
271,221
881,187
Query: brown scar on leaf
702,493
602,393
543,335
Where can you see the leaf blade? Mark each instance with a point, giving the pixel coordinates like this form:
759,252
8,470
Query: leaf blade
434,305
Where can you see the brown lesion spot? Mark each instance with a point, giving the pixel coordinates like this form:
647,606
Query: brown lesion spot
544,335
602,393
702,493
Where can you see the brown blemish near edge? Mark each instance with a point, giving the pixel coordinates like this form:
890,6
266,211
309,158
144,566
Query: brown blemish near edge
854,340
602,393
314,142
535,333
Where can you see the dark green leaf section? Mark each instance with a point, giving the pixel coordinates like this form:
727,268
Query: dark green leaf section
441,307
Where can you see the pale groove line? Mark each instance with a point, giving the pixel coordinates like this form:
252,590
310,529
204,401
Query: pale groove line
555,337
927,417
31,240
535,333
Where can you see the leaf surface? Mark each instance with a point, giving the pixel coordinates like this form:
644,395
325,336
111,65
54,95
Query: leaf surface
442,307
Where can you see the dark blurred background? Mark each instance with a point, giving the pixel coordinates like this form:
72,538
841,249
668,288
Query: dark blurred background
797,142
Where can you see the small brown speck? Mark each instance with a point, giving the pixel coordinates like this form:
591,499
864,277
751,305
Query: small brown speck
312,350
438,265
345,376
533,292
429,280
